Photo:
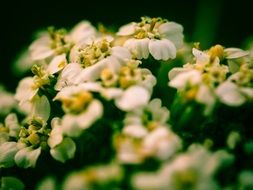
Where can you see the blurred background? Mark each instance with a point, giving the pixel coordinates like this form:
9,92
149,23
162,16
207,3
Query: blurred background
216,21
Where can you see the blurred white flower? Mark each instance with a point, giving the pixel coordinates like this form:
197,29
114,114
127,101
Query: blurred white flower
237,89
94,177
191,170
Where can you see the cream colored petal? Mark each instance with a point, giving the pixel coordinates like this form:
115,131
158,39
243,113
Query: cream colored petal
68,75
127,29
111,93
82,31
121,53
91,73
193,77
25,90
134,97
58,63
234,53
162,49
137,131
201,57
56,135
229,94
176,71
138,47
73,125
173,32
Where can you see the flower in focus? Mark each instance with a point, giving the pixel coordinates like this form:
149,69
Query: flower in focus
155,36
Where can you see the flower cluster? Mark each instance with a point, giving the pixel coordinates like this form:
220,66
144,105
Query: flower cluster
93,113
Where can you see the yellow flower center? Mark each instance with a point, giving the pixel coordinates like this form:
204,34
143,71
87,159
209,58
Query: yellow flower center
59,41
41,77
95,52
148,28
34,133
216,51
77,102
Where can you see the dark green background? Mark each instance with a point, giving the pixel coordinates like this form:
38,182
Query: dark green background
219,21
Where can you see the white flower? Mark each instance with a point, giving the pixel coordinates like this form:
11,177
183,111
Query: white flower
155,36
99,176
193,169
82,110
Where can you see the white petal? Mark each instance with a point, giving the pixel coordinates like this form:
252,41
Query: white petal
121,53
173,32
64,151
111,93
234,53
27,157
8,151
138,47
247,91
201,57
82,31
229,94
134,97
68,75
176,71
137,131
127,29
193,77
40,49
25,90
57,64
162,49
73,125
56,135
90,73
